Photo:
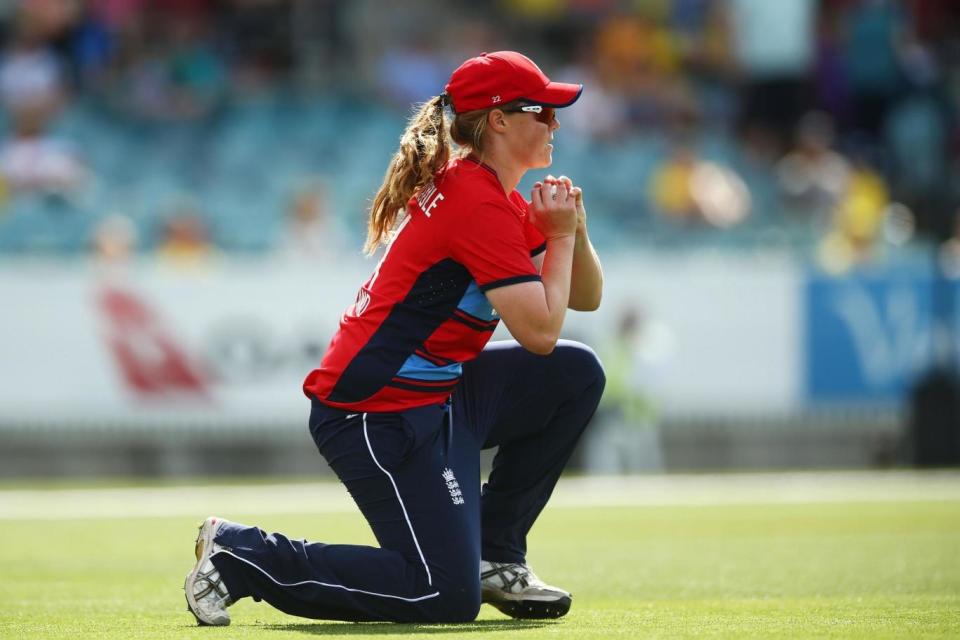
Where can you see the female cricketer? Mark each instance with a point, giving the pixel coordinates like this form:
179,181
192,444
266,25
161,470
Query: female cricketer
409,391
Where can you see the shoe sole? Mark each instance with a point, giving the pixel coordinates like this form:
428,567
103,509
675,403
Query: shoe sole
534,609
204,541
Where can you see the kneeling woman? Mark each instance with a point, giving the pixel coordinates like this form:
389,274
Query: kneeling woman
409,391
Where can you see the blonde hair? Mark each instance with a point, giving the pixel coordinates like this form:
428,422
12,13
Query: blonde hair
424,151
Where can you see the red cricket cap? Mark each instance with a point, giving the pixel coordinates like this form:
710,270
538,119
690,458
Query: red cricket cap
503,76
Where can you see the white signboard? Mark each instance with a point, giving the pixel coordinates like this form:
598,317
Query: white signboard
231,341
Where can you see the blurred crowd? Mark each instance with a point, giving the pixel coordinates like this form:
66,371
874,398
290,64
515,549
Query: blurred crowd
834,118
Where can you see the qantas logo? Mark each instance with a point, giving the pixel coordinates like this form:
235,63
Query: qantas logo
149,358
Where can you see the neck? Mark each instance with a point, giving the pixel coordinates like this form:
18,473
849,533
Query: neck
509,172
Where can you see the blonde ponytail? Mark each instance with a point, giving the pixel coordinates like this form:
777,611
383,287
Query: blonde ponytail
424,150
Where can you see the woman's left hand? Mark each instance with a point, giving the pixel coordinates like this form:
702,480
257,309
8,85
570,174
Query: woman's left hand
577,193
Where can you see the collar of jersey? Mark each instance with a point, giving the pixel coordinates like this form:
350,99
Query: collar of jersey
470,158
477,162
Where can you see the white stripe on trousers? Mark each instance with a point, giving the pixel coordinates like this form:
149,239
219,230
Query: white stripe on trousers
340,586
400,500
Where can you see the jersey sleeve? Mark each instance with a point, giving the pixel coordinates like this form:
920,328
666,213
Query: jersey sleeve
491,242
536,243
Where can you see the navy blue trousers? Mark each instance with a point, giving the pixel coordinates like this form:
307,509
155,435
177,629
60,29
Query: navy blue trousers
416,477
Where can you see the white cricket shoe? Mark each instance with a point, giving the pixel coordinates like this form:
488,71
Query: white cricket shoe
516,590
207,596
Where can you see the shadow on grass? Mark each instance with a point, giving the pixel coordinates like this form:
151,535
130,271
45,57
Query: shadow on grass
381,628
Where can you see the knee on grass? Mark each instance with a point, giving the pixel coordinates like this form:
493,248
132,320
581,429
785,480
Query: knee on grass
455,604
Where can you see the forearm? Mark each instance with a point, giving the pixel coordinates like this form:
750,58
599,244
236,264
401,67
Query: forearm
586,278
556,275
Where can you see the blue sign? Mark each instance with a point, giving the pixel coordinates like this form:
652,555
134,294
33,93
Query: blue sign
870,335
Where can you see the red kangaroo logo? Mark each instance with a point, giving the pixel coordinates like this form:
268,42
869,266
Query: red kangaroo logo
150,360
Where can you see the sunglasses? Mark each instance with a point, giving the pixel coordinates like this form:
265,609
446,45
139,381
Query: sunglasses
546,115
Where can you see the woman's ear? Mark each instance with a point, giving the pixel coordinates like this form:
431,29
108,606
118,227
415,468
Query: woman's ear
497,120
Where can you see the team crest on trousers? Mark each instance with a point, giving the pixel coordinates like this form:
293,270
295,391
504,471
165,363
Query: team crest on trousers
452,486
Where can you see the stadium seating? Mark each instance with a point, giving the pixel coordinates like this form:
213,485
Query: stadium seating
241,168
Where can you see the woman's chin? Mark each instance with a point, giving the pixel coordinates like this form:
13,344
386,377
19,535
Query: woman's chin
546,158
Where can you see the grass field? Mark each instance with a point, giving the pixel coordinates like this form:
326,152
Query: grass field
806,555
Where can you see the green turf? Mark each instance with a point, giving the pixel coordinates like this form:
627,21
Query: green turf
879,570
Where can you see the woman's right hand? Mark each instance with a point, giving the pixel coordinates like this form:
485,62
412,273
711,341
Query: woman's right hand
553,209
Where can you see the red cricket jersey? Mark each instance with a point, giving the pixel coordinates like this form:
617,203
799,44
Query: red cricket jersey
423,312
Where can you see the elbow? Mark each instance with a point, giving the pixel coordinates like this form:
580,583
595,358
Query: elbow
541,344
595,304
544,349
597,296
591,304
